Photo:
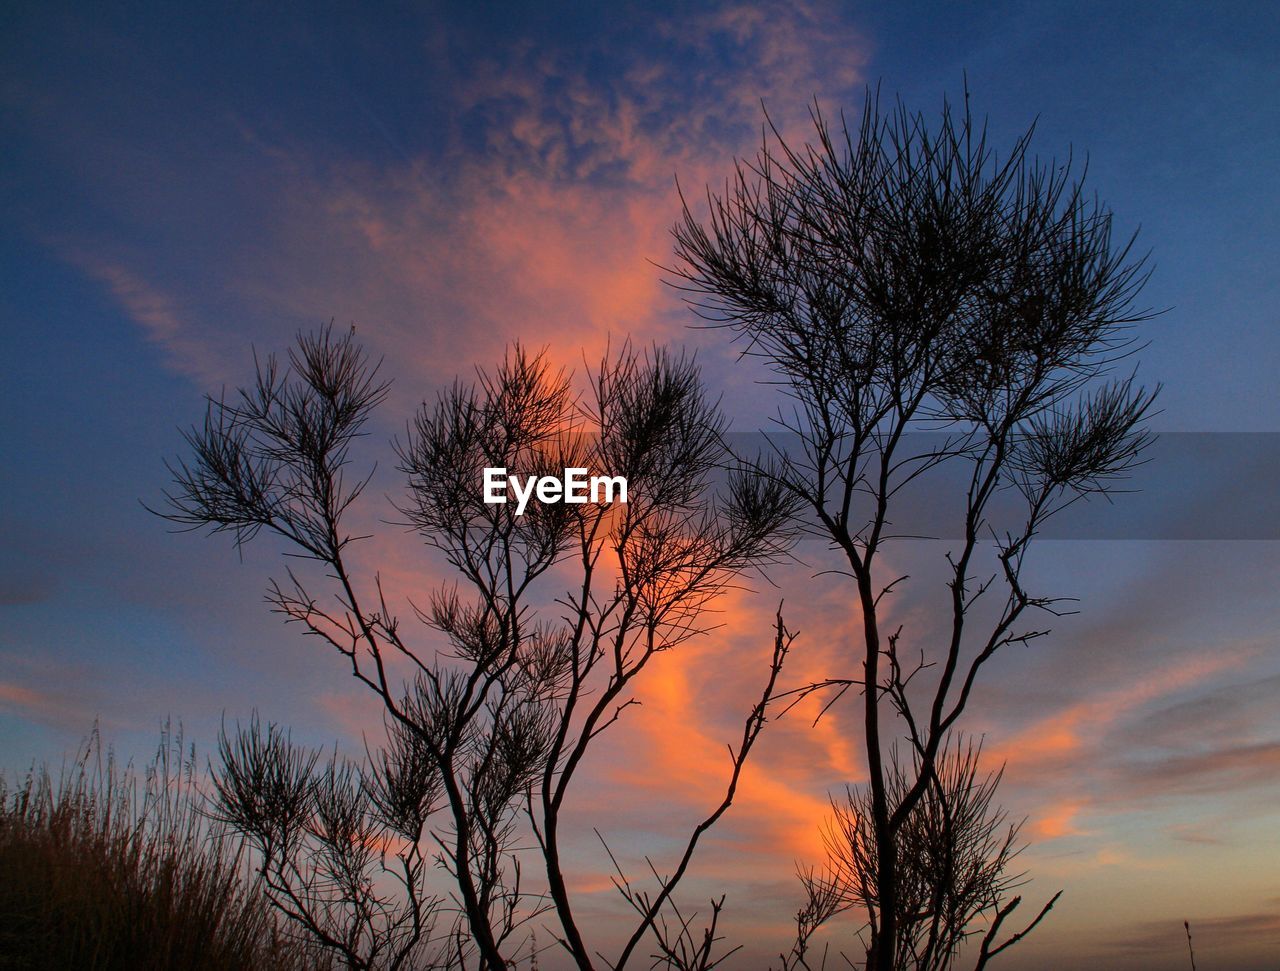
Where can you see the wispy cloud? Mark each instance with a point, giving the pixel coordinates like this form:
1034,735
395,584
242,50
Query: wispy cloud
53,694
188,349
1209,934
538,215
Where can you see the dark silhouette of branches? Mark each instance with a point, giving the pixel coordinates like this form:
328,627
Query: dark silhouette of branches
489,722
680,947
338,845
899,276
954,853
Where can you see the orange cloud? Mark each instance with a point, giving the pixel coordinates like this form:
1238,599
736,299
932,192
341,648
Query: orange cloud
71,712
1057,820
17,697
548,234
694,700
1060,736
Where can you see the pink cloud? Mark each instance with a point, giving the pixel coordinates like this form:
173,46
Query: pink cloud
155,311
548,235
1060,736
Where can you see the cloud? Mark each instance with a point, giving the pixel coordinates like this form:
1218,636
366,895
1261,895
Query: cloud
537,214
1197,834
1057,820
1231,768
1209,934
1060,737
54,694
186,348
1217,715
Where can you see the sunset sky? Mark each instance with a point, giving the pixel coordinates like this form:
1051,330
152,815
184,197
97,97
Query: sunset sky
183,183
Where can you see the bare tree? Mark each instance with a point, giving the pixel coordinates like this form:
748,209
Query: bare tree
539,639
899,277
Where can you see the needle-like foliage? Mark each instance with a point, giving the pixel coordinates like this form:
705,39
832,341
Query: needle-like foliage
529,651
899,276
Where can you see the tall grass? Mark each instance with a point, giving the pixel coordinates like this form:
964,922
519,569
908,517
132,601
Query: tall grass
107,868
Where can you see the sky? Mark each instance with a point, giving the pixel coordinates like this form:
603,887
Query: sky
182,184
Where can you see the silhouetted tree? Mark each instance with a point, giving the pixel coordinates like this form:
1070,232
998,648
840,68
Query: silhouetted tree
954,852
899,277
488,728
339,846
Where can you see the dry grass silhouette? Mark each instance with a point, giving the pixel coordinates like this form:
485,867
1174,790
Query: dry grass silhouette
105,868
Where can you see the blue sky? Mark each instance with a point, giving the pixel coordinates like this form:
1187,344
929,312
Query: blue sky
180,183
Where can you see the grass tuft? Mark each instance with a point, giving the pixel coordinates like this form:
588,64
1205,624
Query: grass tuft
107,868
